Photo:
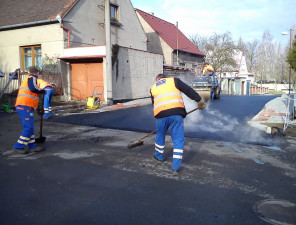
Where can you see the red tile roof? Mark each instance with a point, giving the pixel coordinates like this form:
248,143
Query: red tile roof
14,12
168,32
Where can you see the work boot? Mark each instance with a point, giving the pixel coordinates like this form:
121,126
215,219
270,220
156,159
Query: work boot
47,116
15,151
158,160
38,148
176,172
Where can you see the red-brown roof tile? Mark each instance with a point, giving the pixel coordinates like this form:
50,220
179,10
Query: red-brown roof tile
169,33
14,12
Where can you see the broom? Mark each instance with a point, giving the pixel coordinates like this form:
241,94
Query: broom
140,141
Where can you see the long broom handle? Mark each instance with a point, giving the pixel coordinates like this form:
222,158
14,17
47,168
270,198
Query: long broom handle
192,110
153,132
42,113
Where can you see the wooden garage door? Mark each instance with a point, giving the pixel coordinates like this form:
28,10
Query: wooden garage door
85,77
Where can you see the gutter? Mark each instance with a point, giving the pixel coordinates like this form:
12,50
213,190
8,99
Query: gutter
28,24
69,32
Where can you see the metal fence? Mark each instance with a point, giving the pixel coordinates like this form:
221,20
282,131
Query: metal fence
259,90
292,106
54,79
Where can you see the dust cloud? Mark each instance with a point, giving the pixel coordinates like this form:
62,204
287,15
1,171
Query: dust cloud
212,124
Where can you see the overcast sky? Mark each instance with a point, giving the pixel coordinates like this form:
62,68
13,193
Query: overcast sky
242,18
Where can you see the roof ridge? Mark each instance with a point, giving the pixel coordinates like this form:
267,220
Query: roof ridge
155,17
170,33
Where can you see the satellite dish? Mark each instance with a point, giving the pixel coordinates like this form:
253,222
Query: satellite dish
58,17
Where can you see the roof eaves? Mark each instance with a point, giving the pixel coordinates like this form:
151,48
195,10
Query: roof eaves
71,5
28,24
190,52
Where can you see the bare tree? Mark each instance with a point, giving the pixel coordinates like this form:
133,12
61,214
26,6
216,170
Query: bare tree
199,41
264,58
219,50
264,54
241,44
250,50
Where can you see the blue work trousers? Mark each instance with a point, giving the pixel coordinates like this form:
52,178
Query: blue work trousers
27,137
47,102
176,125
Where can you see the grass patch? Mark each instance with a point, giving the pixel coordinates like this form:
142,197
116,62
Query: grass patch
276,92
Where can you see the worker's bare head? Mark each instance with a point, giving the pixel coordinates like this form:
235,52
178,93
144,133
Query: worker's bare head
160,76
34,70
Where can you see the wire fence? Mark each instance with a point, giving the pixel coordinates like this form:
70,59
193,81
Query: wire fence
54,79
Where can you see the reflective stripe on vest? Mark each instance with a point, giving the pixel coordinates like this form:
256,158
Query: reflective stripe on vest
166,95
42,84
26,97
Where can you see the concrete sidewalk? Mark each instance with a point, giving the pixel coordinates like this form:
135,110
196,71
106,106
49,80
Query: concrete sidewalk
274,112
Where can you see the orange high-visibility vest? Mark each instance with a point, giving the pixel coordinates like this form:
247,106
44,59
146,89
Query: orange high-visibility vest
42,84
166,95
208,68
27,97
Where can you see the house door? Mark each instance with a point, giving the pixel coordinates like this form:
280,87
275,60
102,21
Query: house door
85,77
237,87
248,88
232,90
243,87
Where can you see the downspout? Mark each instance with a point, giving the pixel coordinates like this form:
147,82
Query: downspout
177,45
69,32
60,20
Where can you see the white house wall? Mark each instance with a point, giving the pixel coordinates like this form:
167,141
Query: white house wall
86,22
135,73
50,37
130,34
276,87
167,52
230,86
153,39
155,43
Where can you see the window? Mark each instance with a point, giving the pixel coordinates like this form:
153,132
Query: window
31,56
224,74
114,13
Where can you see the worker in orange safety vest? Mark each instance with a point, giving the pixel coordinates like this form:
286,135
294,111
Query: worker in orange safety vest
26,102
42,84
208,70
169,111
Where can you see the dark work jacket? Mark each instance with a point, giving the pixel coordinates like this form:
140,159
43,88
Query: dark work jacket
188,91
32,84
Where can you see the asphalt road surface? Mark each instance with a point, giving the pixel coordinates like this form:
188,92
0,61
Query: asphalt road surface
87,175
224,119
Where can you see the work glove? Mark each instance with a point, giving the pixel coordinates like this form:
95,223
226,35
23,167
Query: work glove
40,110
201,105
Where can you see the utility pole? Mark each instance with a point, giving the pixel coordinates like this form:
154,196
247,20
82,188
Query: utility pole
108,53
290,47
177,44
